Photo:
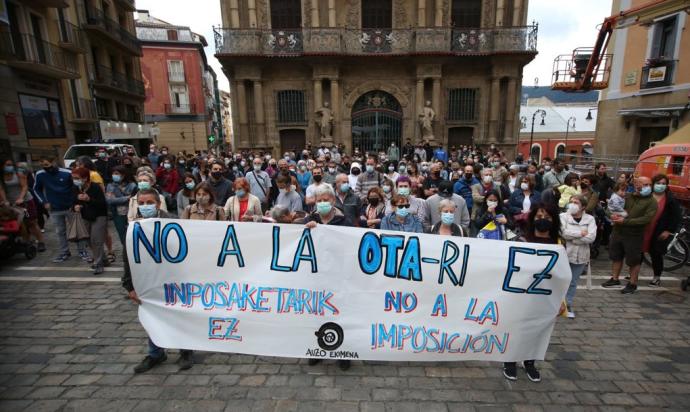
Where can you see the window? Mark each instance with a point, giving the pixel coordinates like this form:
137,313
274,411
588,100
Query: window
462,105
178,96
664,40
172,35
291,107
103,108
560,151
466,13
677,165
176,71
286,14
377,14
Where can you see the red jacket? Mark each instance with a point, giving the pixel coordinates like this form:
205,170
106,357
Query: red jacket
168,180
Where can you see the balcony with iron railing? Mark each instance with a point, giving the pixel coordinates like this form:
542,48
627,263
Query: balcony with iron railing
97,21
180,109
657,73
108,77
84,111
71,37
31,54
343,41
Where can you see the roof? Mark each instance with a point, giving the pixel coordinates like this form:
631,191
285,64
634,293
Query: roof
557,96
556,119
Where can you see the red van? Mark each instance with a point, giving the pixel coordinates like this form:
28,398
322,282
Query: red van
673,160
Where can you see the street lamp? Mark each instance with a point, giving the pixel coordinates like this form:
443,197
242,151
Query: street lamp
531,135
567,129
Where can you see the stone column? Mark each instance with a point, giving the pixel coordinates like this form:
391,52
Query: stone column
251,6
438,15
242,108
315,13
421,13
436,104
234,14
511,102
419,99
318,94
331,14
517,14
259,113
335,107
493,109
500,5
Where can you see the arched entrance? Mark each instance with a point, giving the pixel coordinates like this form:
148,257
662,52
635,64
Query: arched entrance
376,121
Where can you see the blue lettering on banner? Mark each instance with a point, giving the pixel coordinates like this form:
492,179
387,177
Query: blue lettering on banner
410,267
440,306
538,277
447,261
544,274
370,255
398,301
276,252
230,239
223,328
160,242
307,241
392,243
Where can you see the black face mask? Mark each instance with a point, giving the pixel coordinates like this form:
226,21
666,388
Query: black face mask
216,175
373,201
468,176
355,172
583,186
317,178
542,225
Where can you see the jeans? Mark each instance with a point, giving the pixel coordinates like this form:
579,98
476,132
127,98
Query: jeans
657,250
120,223
156,352
97,230
577,269
60,219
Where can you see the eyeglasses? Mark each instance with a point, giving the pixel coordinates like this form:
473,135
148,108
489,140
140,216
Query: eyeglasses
404,206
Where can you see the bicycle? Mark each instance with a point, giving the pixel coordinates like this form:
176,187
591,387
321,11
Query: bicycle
677,251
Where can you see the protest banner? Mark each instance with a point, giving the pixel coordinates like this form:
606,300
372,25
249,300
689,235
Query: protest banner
344,293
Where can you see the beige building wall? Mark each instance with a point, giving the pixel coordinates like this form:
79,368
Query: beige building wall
630,114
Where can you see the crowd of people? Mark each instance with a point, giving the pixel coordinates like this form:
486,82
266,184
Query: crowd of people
465,191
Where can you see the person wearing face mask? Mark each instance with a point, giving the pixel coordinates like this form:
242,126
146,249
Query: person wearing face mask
317,179
433,207
303,175
463,186
145,181
579,230
330,172
14,192
53,189
497,168
492,210
556,176
148,205
666,221
420,153
221,187
368,179
89,201
185,196
418,207
587,186
374,210
287,194
532,170
448,226
627,237
259,183
480,190
102,164
388,189
522,199
544,226
204,207
355,172
391,172
400,218
153,156
393,153
346,200
243,206
117,195
167,177
570,187
433,180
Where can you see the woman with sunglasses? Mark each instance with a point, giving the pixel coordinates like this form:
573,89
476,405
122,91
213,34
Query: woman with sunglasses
400,219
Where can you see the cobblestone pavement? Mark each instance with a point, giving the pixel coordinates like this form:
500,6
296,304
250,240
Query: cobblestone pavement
69,341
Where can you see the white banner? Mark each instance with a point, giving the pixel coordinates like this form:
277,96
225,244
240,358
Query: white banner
344,293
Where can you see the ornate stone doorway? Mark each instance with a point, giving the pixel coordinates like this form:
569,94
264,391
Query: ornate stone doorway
376,121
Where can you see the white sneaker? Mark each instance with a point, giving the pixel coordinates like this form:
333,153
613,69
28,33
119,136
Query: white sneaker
571,314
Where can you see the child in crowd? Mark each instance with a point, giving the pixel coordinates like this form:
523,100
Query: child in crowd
616,204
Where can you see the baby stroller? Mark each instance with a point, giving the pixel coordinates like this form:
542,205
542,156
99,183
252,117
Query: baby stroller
11,230
599,219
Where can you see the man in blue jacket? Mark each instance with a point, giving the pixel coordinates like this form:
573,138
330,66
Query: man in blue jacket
53,188
463,186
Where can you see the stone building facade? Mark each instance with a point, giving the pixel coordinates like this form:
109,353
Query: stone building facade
361,73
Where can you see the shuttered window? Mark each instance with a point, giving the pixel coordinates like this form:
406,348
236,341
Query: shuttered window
466,13
291,107
462,105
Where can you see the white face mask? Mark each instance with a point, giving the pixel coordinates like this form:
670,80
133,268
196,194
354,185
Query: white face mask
491,204
524,186
573,209
488,179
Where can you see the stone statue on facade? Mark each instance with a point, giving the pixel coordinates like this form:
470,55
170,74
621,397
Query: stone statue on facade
426,121
324,119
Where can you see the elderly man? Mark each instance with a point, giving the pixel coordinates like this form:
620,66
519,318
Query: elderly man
149,206
445,192
259,182
370,178
463,186
345,199
628,234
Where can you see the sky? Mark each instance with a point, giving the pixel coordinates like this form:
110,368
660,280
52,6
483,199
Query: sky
563,26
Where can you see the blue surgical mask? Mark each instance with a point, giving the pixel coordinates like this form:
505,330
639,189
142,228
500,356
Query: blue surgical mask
646,191
659,188
9,169
344,187
447,218
240,193
370,169
78,183
148,210
167,166
324,208
190,185
117,178
404,191
402,211
143,185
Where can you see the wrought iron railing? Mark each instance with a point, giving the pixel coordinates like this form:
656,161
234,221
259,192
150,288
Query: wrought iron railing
180,108
71,35
109,77
658,74
96,17
375,41
27,48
